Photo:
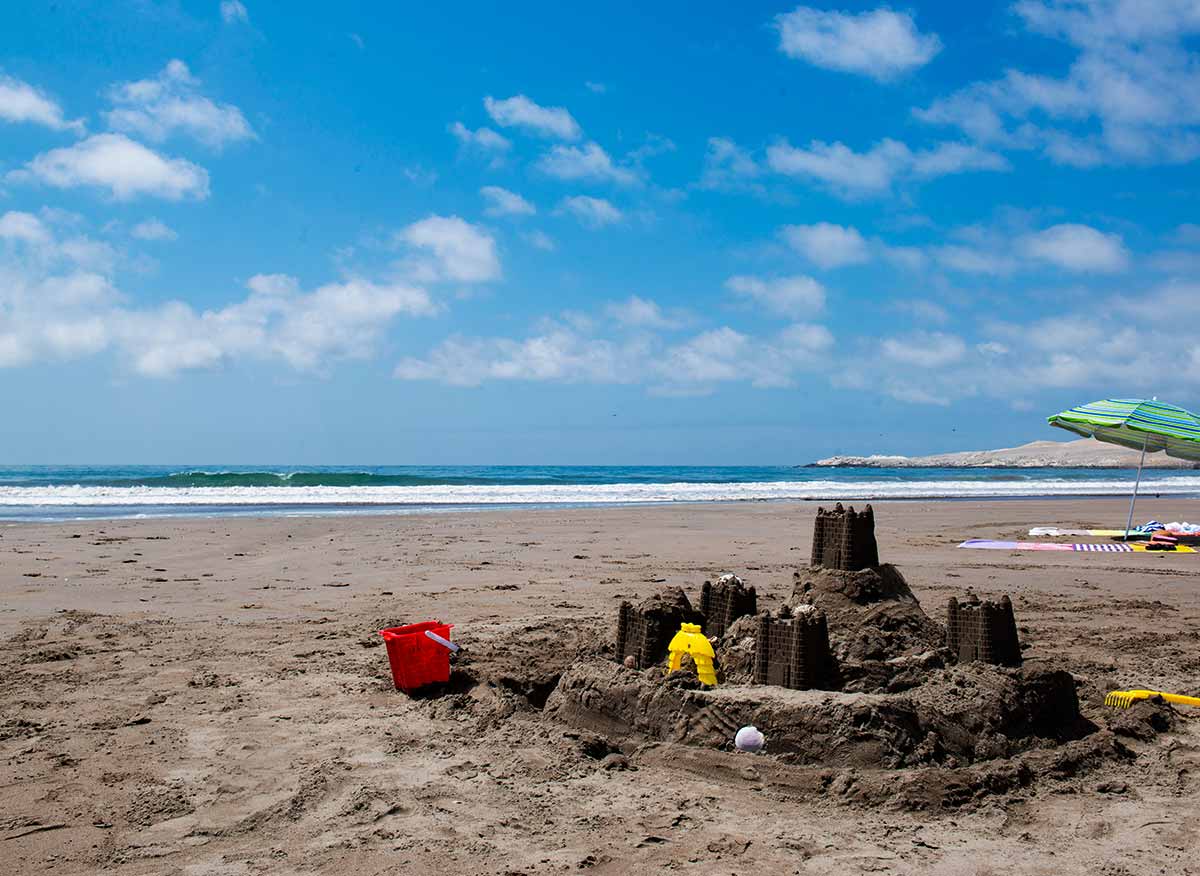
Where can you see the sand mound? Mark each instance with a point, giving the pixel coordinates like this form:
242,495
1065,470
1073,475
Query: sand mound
878,631
968,732
959,716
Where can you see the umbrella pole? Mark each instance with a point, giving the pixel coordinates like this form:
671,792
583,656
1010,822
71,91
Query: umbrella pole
1136,484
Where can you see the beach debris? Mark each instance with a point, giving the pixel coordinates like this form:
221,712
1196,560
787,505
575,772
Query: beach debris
792,650
845,539
749,739
725,601
645,631
1123,699
982,630
690,640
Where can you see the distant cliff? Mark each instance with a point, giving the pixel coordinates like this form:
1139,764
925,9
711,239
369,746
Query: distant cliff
1083,453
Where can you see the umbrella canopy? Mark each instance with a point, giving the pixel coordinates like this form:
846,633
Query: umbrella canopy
1135,423
1148,426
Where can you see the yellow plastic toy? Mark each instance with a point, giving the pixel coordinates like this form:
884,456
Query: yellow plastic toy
689,640
1123,699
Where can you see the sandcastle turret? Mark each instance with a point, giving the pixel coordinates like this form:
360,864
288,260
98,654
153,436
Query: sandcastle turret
845,539
792,650
983,630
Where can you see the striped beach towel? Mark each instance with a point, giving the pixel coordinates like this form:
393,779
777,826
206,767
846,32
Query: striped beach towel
1113,548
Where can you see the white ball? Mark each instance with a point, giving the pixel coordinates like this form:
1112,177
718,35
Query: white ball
749,739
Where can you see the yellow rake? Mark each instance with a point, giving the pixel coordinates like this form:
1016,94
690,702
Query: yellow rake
1123,699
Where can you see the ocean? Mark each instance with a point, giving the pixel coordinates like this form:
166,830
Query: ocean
83,492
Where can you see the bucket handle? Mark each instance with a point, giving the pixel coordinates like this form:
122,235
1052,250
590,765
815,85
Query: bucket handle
445,643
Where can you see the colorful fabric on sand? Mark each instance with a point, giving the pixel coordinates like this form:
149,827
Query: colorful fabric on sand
1114,548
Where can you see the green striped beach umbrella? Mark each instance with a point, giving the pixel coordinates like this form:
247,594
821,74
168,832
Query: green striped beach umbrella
1149,426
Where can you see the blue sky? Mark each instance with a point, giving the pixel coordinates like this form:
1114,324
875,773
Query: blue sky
673,233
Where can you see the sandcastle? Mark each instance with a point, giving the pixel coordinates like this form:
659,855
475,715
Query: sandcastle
725,601
645,631
983,630
792,651
844,539
848,672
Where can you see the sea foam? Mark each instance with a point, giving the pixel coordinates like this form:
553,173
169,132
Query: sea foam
81,495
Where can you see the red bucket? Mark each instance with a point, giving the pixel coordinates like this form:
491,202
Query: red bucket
416,659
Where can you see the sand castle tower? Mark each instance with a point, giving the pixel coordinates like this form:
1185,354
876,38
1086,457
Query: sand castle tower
983,630
845,539
792,650
725,601
645,631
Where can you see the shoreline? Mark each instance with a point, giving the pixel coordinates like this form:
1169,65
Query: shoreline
350,510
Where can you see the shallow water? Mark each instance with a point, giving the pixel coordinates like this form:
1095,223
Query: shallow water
71,492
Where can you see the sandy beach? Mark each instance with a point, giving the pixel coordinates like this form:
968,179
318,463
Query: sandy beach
210,696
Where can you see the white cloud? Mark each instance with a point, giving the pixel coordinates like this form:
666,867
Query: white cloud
827,245
16,225
925,349
950,158
540,240
1125,98
1115,345
638,312
596,87
923,310
502,202
1188,234
21,102
125,168
419,175
881,44
58,301
999,252
234,12
910,258
560,355
993,348
521,112
862,174
973,260
587,162
171,104
483,139
591,212
153,229
840,167
570,355
277,320
460,251
1078,248
728,166
796,296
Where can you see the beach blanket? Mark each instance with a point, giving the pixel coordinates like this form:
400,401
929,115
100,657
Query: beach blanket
1146,529
1095,533
1110,548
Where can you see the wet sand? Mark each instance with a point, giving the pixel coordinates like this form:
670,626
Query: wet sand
210,696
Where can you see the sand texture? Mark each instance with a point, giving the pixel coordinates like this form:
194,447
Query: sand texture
211,697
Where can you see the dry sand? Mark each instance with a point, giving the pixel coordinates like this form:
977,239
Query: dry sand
210,697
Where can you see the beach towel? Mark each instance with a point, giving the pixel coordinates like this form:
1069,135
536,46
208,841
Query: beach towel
1095,533
1111,548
